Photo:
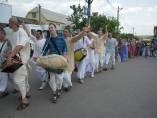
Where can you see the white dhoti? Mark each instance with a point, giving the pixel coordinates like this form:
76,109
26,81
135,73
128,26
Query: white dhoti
41,73
20,78
82,68
91,62
3,81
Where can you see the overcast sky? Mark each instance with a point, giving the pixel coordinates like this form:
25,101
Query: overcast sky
140,14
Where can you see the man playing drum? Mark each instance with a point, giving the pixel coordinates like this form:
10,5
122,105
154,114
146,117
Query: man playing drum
81,65
20,47
55,45
67,84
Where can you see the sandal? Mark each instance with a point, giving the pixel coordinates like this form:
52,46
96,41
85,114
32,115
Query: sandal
27,96
15,91
3,94
22,106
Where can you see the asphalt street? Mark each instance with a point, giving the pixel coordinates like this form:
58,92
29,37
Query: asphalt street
129,91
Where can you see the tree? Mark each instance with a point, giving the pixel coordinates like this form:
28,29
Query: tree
77,16
101,21
97,22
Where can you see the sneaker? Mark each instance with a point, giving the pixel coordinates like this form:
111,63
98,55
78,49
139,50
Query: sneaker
3,94
92,75
59,93
81,81
43,85
66,89
54,98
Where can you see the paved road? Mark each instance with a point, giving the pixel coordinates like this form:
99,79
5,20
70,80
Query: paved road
129,91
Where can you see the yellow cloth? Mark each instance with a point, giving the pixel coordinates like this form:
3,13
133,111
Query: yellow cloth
70,54
100,45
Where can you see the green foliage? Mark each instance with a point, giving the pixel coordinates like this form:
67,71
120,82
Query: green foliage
128,36
77,16
103,22
97,22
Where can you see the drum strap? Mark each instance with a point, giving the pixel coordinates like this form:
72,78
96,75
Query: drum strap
53,43
55,46
83,41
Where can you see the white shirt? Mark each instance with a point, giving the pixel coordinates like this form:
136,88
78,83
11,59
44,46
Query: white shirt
82,43
38,47
20,37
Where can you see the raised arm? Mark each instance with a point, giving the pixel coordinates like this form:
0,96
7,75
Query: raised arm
80,35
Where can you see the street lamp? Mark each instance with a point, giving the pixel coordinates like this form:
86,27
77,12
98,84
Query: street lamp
118,10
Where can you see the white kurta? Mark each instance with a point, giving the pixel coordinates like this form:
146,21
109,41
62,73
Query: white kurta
92,63
82,65
41,73
20,76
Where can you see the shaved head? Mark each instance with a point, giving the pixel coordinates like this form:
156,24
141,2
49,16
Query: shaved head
13,23
14,20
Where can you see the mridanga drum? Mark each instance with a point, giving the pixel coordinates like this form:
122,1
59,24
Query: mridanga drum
80,54
11,65
53,63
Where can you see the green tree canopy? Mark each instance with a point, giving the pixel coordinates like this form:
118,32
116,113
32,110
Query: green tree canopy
77,16
97,22
106,23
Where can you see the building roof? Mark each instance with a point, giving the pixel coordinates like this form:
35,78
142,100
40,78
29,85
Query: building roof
26,20
53,16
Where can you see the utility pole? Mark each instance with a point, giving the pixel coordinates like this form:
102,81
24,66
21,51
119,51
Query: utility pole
133,31
89,2
39,7
118,10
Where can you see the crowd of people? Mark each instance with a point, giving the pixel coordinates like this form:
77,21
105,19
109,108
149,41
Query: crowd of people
133,48
101,53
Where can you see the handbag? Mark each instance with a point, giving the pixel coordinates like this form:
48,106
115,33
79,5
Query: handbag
11,65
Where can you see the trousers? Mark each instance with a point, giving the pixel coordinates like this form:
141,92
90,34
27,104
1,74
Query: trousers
56,81
110,57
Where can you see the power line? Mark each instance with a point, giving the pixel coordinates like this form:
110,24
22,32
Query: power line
110,4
